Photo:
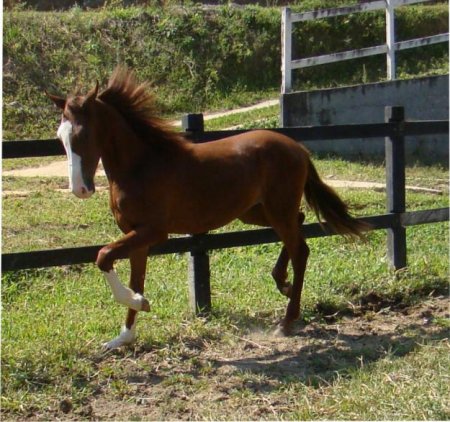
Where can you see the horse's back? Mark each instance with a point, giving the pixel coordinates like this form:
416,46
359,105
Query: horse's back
268,159
257,143
273,150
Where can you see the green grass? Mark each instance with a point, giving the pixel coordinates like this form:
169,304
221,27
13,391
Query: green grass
54,320
238,65
392,389
255,118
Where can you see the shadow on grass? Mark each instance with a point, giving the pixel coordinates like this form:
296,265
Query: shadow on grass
316,354
329,354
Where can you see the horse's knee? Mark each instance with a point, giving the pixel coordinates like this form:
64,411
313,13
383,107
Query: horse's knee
104,260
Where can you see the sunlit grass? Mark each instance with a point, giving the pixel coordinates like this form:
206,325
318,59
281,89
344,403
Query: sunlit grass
55,320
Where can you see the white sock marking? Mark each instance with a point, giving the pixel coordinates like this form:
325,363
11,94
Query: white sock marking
125,295
126,336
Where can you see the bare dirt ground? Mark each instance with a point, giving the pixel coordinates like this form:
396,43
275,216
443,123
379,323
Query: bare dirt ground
244,377
59,169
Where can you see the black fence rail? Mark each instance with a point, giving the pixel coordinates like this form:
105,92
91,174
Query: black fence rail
53,147
396,219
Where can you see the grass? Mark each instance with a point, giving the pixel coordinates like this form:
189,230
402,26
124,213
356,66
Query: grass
54,320
254,118
239,63
392,388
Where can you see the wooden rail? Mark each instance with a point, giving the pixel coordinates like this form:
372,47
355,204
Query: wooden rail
394,221
53,147
87,254
389,48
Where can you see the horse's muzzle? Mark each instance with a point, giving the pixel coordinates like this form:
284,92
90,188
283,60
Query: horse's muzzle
84,191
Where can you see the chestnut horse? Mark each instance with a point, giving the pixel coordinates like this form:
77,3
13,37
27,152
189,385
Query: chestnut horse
160,183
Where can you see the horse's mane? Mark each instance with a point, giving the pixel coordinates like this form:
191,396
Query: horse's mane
135,103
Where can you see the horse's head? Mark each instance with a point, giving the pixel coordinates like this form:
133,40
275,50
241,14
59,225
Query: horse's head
77,133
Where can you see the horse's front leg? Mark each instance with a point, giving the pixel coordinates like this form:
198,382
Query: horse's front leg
132,245
138,263
133,240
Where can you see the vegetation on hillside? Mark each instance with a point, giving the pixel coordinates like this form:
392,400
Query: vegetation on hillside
197,58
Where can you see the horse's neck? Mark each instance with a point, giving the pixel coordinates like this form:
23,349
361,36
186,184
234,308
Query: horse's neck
120,147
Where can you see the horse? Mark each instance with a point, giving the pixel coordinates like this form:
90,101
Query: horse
160,183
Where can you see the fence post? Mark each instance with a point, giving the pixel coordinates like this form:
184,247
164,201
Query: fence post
286,50
395,187
390,40
198,267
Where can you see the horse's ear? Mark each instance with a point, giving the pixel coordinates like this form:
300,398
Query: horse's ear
91,96
59,101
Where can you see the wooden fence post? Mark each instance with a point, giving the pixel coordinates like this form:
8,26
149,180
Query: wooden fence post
395,187
198,269
286,50
390,40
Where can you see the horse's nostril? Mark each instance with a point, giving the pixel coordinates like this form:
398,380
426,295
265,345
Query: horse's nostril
83,190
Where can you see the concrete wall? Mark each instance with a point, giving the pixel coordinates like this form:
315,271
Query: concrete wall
423,99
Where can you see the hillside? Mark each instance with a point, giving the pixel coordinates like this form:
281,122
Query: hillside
197,58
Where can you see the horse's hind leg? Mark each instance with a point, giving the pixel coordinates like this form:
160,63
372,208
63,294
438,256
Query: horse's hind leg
279,272
299,256
256,215
287,226
138,263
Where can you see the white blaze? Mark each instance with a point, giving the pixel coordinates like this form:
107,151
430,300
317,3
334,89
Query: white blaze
76,182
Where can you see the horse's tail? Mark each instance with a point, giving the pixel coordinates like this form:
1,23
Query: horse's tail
325,202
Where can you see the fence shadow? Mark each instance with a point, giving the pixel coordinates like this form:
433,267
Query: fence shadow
325,355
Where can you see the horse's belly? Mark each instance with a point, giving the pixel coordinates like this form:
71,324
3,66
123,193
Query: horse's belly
210,213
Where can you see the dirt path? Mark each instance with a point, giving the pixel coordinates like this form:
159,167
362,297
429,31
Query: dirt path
55,169
203,377
215,115
59,169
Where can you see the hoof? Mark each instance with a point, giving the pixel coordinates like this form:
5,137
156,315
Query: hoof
286,290
139,303
283,330
125,338
145,305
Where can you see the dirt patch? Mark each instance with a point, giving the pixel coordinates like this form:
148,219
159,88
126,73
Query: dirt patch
54,169
246,375
59,169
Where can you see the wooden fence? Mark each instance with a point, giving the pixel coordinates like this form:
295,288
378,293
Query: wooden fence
395,220
389,48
